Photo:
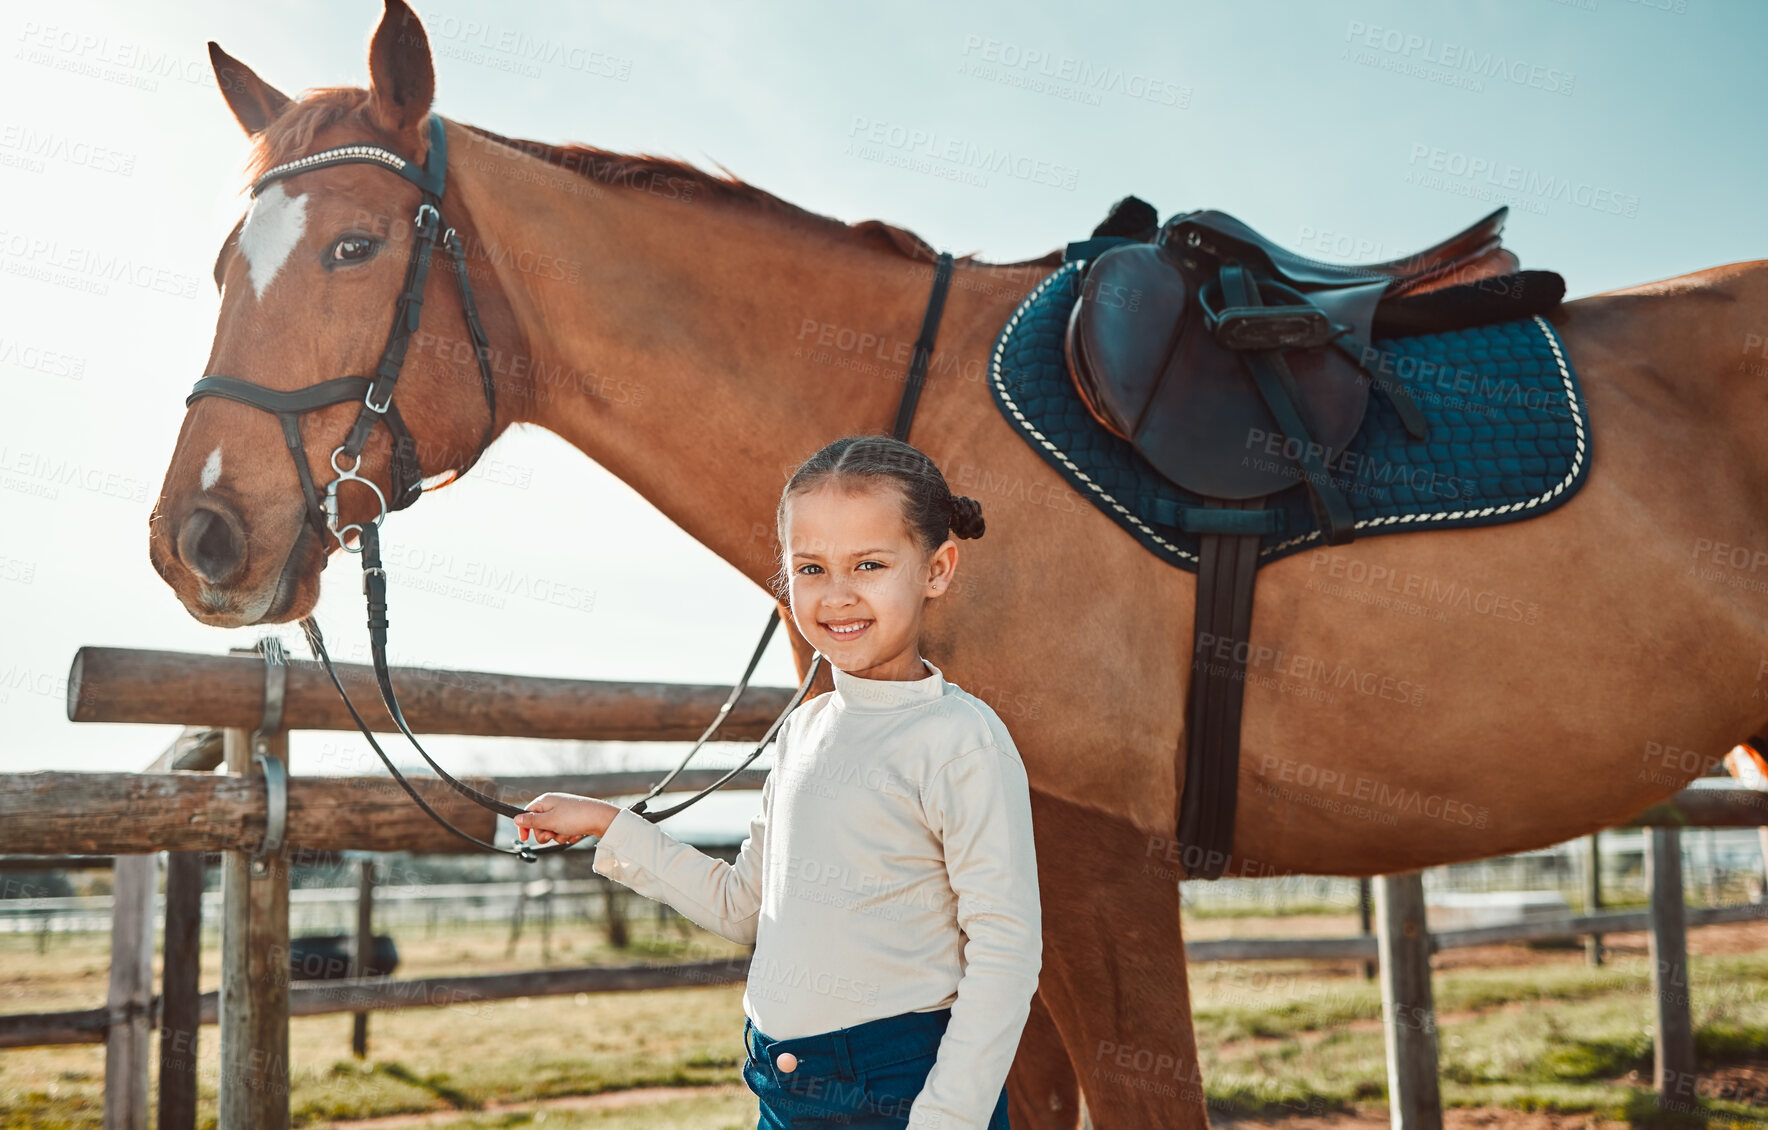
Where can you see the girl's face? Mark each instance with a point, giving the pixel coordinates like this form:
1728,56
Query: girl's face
859,584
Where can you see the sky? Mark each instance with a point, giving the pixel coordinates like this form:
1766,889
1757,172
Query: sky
1624,134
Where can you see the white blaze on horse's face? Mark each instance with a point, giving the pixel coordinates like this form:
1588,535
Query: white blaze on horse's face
212,468
272,229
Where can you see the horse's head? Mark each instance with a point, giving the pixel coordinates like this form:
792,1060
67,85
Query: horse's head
309,280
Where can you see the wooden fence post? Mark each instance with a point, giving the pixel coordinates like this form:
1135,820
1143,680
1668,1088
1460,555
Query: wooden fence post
1365,919
254,969
363,959
1672,1033
135,882
180,1000
1407,1011
1593,894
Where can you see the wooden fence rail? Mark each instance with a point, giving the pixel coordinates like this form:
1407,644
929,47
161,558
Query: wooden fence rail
114,684
378,994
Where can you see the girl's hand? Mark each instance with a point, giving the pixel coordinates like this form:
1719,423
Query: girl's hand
565,818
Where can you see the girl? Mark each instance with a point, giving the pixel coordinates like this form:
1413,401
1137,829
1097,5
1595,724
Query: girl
889,884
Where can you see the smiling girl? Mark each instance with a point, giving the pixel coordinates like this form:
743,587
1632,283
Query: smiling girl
889,883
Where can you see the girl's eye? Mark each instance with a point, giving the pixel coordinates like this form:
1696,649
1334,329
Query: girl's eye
351,249
802,568
879,564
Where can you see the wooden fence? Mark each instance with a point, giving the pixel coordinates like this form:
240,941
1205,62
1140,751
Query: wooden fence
180,806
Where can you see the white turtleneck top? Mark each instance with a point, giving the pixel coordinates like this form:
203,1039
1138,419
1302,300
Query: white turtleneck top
890,869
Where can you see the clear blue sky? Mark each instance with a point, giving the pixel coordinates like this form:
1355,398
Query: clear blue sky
1626,134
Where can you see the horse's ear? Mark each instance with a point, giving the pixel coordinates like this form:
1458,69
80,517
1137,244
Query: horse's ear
401,80
253,101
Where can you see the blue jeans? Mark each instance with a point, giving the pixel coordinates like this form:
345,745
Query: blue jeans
860,1078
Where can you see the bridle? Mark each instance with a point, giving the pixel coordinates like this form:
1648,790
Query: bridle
376,394
406,476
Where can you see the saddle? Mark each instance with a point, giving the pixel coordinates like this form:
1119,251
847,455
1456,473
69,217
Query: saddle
1237,369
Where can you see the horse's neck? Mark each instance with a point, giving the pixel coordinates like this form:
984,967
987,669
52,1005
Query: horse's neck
699,351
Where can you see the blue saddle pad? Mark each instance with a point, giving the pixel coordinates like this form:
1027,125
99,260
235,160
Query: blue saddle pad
1508,436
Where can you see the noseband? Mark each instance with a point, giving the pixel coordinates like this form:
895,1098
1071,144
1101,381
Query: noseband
376,394
406,476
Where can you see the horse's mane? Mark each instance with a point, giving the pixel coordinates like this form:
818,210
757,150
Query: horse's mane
292,134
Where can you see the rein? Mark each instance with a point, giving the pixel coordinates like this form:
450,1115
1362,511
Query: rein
406,475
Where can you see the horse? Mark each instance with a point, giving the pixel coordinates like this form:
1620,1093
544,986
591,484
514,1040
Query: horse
698,337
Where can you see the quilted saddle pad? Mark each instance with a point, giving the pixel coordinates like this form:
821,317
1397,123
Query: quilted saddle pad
1508,436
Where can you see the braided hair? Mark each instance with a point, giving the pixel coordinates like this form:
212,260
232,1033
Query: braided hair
930,509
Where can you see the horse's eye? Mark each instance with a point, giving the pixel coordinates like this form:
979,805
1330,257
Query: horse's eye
353,249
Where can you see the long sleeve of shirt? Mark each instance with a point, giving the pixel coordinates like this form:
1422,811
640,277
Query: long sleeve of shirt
723,897
980,806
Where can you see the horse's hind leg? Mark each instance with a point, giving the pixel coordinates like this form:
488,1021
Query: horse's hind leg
1042,1092
1113,974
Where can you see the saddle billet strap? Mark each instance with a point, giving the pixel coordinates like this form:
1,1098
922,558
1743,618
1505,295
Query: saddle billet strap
1276,387
923,355
1220,639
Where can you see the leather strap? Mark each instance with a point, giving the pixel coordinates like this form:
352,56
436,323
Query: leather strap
1220,639
911,392
1276,387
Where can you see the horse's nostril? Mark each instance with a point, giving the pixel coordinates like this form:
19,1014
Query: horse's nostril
212,546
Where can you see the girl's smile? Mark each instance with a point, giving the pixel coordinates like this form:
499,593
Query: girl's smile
847,629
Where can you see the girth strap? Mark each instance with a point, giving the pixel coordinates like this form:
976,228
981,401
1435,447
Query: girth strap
1220,647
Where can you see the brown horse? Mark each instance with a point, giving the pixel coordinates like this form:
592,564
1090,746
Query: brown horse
698,337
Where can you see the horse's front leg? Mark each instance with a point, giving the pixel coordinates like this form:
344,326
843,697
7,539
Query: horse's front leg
1114,969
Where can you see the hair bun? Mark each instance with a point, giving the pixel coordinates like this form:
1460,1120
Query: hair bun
966,520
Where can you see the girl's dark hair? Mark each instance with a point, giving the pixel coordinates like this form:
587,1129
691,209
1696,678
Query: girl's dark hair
929,507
